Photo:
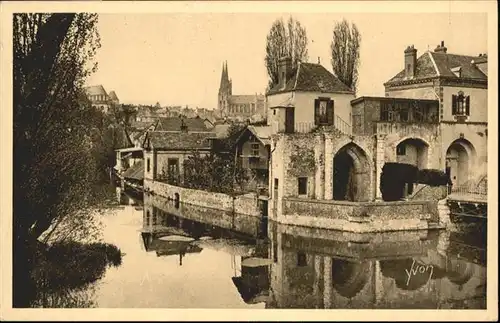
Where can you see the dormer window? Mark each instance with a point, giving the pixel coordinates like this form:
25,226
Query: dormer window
461,104
457,71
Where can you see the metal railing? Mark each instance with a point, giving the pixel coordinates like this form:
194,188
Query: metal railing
404,129
471,188
307,127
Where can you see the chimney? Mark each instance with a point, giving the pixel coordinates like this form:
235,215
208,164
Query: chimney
410,61
284,70
441,48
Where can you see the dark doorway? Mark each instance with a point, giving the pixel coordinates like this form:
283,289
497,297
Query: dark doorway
343,167
289,120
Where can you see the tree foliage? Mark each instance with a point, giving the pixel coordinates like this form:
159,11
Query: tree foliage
213,172
288,39
54,124
345,48
57,134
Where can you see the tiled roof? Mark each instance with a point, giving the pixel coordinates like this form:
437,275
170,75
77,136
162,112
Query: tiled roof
428,62
135,172
141,125
445,62
312,78
177,140
221,130
95,90
112,95
263,133
174,124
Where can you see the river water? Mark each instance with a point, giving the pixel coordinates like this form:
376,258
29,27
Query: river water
180,256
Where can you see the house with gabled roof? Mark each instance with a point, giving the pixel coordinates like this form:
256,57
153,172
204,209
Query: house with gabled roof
252,149
307,97
459,83
166,151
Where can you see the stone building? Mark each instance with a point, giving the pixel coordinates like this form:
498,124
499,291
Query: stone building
237,107
166,151
100,98
309,114
459,85
327,146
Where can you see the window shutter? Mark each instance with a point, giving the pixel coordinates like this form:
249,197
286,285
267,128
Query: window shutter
454,104
467,105
316,112
330,112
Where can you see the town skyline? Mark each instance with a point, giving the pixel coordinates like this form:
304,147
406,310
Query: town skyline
162,57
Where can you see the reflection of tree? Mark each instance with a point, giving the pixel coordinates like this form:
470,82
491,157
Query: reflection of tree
68,298
396,269
65,283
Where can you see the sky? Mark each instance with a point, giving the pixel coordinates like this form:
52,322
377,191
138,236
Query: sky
176,58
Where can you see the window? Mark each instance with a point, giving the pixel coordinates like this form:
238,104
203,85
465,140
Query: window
148,165
274,111
276,184
148,216
401,150
301,259
255,148
302,181
461,104
323,111
384,112
173,164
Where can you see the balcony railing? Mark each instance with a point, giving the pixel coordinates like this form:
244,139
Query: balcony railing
307,127
402,128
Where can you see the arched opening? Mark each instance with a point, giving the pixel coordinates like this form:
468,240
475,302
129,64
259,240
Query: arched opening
459,158
351,174
412,151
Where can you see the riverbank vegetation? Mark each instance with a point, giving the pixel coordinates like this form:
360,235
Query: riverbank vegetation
62,145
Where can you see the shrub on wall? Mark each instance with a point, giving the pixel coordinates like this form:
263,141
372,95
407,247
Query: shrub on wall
433,177
302,162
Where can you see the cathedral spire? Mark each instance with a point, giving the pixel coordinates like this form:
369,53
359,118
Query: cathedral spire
222,78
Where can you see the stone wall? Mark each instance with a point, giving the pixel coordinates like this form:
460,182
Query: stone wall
422,192
246,204
358,216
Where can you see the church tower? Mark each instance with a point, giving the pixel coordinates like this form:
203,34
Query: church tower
225,91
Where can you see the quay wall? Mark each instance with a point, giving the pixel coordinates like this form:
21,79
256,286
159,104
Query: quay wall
243,204
358,216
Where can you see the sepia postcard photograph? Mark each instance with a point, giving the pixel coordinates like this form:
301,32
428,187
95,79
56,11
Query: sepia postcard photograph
249,160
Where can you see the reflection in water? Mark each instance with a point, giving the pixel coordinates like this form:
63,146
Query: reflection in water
214,259
327,269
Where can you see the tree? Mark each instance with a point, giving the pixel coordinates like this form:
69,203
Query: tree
289,40
345,53
55,172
